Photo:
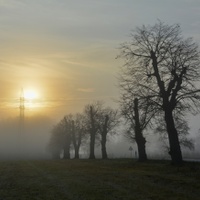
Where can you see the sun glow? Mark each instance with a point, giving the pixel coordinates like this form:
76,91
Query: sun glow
30,94
31,99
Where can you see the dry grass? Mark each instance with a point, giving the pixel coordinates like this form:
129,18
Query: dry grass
98,179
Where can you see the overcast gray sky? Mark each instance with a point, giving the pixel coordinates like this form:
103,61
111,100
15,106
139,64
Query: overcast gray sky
65,49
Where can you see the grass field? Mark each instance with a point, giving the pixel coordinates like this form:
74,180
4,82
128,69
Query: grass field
98,179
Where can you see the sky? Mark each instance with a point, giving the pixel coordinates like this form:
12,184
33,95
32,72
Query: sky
65,50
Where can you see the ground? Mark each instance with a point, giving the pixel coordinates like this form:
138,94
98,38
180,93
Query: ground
98,179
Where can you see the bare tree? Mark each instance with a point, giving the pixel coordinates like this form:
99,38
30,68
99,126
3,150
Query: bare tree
159,61
107,120
67,126
78,132
138,112
59,140
91,120
100,121
54,145
70,130
138,115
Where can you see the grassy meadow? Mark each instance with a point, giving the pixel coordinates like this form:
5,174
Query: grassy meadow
98,179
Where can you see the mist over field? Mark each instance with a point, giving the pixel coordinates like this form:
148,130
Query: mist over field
33,142
62,55
29,144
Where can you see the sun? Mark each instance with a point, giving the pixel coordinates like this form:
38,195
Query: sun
30,94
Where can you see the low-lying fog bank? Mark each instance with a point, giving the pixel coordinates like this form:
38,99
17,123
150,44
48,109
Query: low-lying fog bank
31,143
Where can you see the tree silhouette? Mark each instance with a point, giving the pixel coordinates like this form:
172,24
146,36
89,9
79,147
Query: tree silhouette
78,132
138,115
100,121
67,127
108,119
159,61
70,130
59,141
91,120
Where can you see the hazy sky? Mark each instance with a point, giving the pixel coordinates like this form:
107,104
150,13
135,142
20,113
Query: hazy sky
65,49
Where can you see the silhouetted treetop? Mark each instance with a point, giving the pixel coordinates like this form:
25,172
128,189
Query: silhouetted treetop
165,64
163,67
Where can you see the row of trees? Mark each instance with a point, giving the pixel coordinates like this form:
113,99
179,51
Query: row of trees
90,127
158,84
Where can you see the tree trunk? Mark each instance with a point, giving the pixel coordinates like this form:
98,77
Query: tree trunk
103,138
175,150
92,146
92,135
103,148
67,139
140,140
76,143
141,148
77,147
66,152
76,156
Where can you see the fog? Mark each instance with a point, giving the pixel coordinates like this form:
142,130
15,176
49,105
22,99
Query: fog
31,143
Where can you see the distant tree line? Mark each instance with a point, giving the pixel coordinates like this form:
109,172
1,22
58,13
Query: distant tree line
90,128
159,86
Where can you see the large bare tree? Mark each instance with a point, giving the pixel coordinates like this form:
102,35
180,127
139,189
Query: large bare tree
162,65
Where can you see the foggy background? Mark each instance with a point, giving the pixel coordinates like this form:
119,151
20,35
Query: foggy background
32,143
66,50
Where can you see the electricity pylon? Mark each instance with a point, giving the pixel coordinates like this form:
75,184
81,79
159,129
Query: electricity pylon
21,108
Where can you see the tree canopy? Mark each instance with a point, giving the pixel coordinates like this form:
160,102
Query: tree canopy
162,67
